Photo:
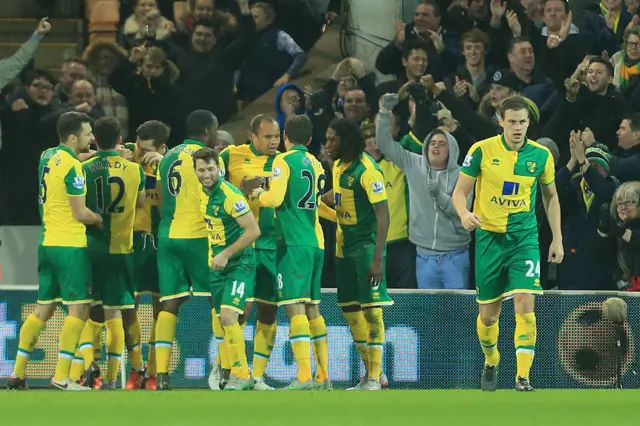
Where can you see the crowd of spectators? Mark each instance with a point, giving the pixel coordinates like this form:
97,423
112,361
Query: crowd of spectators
450,68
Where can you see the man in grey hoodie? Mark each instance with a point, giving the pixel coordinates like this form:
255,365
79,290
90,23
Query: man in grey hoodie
434,227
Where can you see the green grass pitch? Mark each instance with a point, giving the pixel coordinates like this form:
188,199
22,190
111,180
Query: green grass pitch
337,408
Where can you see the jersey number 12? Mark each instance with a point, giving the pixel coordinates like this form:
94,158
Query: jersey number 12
100,190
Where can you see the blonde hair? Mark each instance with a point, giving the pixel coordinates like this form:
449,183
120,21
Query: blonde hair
156,55
269,11
628,191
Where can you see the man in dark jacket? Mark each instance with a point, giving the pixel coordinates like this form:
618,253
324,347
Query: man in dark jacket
625,163
584,185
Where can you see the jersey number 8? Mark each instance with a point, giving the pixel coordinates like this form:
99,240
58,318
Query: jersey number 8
308,202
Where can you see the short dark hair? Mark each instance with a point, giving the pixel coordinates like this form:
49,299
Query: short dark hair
512,42
34,75
107,132
564,3
601,60
412,45
434,5
199,121
257,121
351,140
70,123
207,23
634,121
298,129
154,130
513,103
205,154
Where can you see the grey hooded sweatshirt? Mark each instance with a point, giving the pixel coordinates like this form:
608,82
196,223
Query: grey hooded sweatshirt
434,225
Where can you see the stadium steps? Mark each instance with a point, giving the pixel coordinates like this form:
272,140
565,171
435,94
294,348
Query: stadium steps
63,41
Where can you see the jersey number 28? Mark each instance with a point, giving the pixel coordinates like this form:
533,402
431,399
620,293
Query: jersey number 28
308,201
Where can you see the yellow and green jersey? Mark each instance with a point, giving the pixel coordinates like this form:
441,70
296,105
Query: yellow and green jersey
244,161
507,182
180,193
357,186
113,184
220,208
297,184
60,176
147,217
398,191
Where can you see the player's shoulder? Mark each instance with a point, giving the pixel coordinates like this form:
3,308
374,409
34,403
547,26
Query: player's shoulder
368,164
229,190
488,143
539,147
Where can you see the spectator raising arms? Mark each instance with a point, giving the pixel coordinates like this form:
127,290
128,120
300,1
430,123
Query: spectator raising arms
274,59
146,26
147,81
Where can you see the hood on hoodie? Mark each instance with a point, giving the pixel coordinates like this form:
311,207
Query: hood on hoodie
454,151
280,116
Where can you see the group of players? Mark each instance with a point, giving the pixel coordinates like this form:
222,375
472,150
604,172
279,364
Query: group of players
243,227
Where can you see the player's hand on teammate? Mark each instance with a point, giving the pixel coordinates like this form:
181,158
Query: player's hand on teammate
471,221
99,224
556,252
151,158
249,184
43,26
124,152
219,262
375,272
86,155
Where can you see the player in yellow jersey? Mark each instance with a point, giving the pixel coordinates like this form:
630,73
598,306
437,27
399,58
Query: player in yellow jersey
148,151
506,171
182,235
64,271
115,189
247,166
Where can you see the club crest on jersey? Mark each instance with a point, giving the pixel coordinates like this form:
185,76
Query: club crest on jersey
377,187
532,166
240,206
467,161
350,180
216,209
277,172
78,182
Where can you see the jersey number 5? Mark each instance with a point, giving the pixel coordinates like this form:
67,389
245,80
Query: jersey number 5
308,201
42,198
100,190
174,178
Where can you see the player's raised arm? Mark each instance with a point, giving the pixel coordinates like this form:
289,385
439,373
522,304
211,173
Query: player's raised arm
279,183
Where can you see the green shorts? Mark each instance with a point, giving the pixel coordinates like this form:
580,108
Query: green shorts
179,260
506,265
229,287
299,274
352,278
145,258
265,287
64,275
113,280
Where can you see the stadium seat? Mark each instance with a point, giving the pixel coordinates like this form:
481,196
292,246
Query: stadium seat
104,16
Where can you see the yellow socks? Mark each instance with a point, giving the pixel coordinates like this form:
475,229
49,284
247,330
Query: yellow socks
84,355
299,337
360,333
218,333
263,341
234,340
134,349
375,343
525,342
28,337
488,337
97,343
69,338
165,333
151,357
115,347
320,348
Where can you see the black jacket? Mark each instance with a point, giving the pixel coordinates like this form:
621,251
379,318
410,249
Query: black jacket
589,260
631,256
625,164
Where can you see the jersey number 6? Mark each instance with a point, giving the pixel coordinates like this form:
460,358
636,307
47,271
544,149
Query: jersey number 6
174,178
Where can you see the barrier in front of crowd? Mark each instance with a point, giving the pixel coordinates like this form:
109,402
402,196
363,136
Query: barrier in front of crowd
431,341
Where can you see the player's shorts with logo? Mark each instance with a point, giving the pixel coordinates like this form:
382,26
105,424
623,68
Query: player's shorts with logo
299,274
352,278
265,285
177,258
146,263
506,264
229,287
113,280
64,275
